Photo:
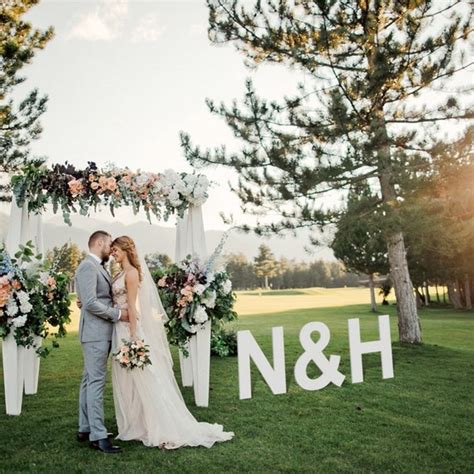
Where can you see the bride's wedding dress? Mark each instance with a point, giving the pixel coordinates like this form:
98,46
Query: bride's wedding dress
149,406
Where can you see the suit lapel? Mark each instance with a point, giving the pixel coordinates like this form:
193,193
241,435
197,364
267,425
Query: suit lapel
103,271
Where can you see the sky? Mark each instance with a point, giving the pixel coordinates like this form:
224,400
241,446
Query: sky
125,77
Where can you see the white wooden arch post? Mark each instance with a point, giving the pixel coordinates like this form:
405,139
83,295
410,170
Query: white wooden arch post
195,369
21,365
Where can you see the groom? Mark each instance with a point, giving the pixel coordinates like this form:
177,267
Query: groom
94,292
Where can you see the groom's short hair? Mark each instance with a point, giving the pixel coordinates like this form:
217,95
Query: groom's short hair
98,234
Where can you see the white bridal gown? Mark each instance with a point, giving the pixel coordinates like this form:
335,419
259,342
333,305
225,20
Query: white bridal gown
149,406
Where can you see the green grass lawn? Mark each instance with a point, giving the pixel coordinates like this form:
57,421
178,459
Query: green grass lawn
420,421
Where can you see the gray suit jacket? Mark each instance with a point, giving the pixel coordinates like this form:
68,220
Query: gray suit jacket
94,289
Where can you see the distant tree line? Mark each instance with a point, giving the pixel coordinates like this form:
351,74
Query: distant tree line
265,271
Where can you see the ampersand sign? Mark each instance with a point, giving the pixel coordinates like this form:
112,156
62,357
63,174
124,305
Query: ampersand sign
313,351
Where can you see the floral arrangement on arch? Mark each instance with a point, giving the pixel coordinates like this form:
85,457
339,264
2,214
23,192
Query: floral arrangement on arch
72,189
193,294
33,298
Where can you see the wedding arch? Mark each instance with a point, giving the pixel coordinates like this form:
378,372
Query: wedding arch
72,190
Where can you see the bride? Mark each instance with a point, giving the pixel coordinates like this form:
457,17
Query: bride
148,404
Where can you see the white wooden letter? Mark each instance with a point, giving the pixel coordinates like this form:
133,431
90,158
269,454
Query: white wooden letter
358,348
247,348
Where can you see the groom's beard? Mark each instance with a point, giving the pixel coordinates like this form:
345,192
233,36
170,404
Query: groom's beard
105,258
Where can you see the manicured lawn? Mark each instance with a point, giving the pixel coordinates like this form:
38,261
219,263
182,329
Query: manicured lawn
420,421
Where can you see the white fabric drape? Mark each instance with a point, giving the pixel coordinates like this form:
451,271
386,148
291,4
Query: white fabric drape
191,240
21,365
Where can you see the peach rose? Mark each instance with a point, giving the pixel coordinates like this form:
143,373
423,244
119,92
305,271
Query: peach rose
103,182
52,282
111,184
16,284
95,185
75,187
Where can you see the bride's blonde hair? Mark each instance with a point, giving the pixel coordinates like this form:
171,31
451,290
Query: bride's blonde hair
127,244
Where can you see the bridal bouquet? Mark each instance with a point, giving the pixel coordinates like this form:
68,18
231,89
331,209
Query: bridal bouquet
33,297
132,354
193,294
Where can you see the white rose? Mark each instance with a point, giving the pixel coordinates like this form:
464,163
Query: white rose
19,322
170,177
142,179
157,187
12,308
210,299
23,297
200,314
43,277
203,181
210,277
26,307
199,289
227,286
190,180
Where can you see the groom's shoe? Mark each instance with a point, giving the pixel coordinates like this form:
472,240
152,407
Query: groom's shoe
105,446
81,437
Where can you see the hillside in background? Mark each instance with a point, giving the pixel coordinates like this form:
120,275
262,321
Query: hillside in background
155,238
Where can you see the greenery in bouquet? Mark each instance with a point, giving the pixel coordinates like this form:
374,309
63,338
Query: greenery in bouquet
33,298
192,294
78,190
224,341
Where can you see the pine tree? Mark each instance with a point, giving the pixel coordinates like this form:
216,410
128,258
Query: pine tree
362,116
359,241
265,264
19,123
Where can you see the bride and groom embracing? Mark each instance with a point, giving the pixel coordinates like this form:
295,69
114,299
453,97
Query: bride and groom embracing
149,406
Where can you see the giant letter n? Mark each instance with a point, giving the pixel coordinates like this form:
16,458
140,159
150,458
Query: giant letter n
275,376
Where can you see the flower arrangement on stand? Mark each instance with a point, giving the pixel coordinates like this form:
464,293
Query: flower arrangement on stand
33,298
71,189
193,294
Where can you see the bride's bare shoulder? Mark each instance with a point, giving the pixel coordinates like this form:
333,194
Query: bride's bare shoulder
131,275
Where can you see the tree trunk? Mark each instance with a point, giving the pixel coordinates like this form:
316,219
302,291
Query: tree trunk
409,328
437,293
467,292
427,294
445,290
266,282
373,303
454,294
418,298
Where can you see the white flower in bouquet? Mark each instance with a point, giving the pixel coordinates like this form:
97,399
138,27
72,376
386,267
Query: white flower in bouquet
210,299
26,307
12,307
170,177
227,286
190,180
200,314
210,277
203,181
182,188
43,278
174,199
157,187
20,321
199,289
23,297
142,179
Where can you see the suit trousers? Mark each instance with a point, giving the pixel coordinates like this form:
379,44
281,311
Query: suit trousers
91,396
